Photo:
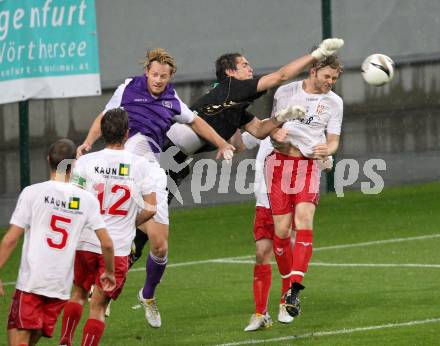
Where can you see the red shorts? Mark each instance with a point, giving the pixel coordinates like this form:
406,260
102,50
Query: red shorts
263,224
90,265
33,312
291,180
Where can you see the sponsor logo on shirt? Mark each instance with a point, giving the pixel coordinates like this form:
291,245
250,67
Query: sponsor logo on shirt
74,203
141,100
124,169
55,201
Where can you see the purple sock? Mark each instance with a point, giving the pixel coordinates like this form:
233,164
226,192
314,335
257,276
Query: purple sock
155,269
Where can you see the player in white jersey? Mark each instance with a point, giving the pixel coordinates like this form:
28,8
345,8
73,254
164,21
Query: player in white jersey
263,235
52,216
124,186
292,173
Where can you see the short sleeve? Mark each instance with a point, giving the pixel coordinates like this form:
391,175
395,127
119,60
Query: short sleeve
186,115
280,100
22,214
243,90
246,118
79,175
95,220
151,176
116,100
335,122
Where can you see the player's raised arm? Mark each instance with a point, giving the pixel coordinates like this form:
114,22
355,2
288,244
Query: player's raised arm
327,47
262,128
92,136
205,131
7,246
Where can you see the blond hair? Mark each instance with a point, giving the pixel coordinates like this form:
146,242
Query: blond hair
161,56
331,61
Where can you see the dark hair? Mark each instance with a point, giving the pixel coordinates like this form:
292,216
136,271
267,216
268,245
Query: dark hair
62,149
114,126
225,62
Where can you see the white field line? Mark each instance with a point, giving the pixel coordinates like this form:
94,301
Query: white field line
325,264
376,242
333,332
333,247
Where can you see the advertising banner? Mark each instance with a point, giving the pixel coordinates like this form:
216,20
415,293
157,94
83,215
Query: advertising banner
48,49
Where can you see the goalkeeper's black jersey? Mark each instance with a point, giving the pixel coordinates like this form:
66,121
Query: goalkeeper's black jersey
224,106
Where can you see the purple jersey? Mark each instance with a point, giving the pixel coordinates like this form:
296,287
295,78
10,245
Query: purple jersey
149,115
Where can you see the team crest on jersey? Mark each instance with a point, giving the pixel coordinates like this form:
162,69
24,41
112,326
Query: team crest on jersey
74,203
124,169
167,104
320,108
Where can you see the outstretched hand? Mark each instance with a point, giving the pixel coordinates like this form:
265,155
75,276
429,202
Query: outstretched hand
226,151
83,149
327,47
321,151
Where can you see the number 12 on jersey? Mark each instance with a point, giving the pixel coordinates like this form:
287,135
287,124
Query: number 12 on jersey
117,207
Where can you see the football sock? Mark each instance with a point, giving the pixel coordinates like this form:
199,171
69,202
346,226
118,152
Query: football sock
302,252
285,285
283,255
92,332
262,281
155,269
71,317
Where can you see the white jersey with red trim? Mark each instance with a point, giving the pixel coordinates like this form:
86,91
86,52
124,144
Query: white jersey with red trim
260,188
119,179
266,147
324,113
54,215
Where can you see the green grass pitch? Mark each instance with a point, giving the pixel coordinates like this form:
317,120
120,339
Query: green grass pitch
374,278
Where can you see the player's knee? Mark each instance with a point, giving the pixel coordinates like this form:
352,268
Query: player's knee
160,250
303,221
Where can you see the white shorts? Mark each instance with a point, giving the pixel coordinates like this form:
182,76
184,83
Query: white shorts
139,145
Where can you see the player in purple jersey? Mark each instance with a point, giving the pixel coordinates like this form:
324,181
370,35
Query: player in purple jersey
153,105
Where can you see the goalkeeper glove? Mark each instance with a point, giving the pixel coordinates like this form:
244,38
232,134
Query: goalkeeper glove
290,113
327,47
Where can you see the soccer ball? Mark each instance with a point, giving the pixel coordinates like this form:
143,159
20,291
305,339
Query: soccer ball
377,69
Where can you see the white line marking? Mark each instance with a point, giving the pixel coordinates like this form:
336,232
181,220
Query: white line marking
325,264
333,332
385,265
332,247
376,242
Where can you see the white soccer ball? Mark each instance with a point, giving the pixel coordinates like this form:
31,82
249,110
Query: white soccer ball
378,69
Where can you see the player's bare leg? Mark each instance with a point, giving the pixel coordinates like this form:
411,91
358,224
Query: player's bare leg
19,336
